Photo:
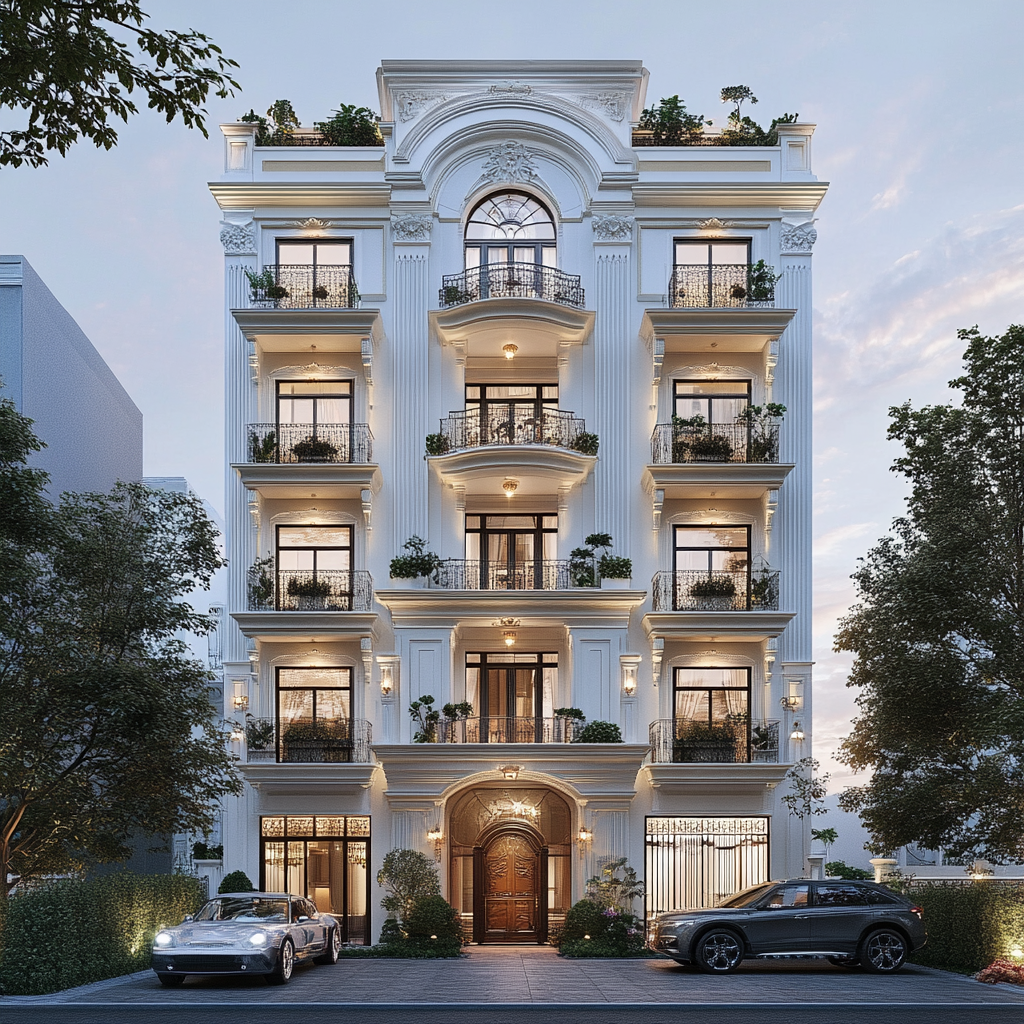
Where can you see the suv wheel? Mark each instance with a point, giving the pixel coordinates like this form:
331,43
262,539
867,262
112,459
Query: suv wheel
719,951
883,951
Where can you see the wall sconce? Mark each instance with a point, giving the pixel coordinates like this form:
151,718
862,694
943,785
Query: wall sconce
387,682
511,771
628,666
236,734
509,487
797,733
510,350
790,703
240,702
584,835
436,836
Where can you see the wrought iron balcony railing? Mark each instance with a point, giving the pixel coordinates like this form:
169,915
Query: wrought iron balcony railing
470,574
511,280
309,442
735,740
294,286
501,729
307,740
514,424
715,442
725,285
697,590
310,590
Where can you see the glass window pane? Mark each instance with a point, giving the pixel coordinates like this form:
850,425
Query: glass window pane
357,918
295,253
273,867
525,679
333,705
711,537
548,256
314,536
690,253
508,216
314,387
472,256
333,254
524,254
296,867
295,410
289,560
334,559
319,677
473,686
497,692
712,387
729,253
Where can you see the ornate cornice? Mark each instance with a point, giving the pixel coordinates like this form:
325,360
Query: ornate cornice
612,227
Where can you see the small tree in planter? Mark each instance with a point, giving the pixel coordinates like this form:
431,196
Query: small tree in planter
715,593
427,717
453,714
762,279
314,449
704,742
416,563
438,444
263,449
572,720
406,876
585,443
584,571
264,287
259,736
350,125
236,881
694,440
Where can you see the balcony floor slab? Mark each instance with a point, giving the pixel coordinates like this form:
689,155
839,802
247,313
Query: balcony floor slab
273,779
716,626
285,627
539,468
309,479
715,479
716,330
295,330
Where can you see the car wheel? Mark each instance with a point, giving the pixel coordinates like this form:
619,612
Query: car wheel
330,955
719,951
282,973
849,962
883,951
171,980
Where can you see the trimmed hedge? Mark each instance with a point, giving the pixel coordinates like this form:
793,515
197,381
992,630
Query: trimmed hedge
72,932
969,925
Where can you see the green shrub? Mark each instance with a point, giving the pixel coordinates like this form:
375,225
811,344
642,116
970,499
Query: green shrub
438,444
73,932
236,881
434,925
600,732
969,925
585,443
419,562
351,126
593,931
408,877
840,869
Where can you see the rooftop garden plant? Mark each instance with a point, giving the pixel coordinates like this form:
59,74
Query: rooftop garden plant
349,125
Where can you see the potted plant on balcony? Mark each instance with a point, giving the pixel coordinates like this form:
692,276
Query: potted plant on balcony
263,449
310,593
762,280
454,714
427,719
259,738
264,287
568,722
600,732
714,593
762,430
317,740
415,566
695,440
704,742
453,295
438,444
585,443
764,742
203,853
260,584
764,588
314,449
586,570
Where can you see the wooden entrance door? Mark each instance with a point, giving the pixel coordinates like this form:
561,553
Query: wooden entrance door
512,890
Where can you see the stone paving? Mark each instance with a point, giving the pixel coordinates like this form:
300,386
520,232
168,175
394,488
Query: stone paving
517,974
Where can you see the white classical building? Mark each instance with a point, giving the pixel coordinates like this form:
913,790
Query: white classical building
513,327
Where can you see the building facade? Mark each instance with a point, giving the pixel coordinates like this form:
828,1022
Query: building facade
512,328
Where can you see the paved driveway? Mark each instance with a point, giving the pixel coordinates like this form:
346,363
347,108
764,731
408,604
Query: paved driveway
485,984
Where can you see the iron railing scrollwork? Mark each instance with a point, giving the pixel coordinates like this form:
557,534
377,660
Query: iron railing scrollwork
308,740
511,424
734,740
472,574
721,286
309,442
312,590
297,286
700,590
715,442
511,280
502,729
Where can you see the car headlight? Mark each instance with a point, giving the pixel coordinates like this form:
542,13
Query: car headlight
258,939
163,940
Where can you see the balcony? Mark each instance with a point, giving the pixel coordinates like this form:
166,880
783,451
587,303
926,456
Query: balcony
496,729
469,574
511,281
515,426
307,741
301,460
295,286
693,741
319,604
694,604
722,286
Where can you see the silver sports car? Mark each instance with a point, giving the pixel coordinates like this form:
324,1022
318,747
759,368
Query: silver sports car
247,933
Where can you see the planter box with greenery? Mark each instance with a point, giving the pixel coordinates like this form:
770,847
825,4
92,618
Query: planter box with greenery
599,732
585,443
705,742
586,569
438,444
714,593
311,593
417,564
314,449
317,741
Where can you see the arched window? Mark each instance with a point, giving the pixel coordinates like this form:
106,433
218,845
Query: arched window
510,227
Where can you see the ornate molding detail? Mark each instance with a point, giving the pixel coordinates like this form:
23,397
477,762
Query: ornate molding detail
238,239
612,227
510,89
510,162
657,653
715,371
714,224
613,105
366,497
411,104
411,227
314,225
798,238
657,504
366,652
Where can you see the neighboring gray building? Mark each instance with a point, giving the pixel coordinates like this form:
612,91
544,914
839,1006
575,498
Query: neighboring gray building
92,429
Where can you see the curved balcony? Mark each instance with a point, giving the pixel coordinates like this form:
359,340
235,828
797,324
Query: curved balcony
512,426
307,741
511,281
302,460
722,286
697,741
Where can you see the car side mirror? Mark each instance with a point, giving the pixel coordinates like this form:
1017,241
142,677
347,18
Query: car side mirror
301,918
187,918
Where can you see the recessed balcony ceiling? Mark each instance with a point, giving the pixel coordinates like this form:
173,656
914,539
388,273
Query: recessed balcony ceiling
309,479
295,330
715,479
315,627
538,469
716,626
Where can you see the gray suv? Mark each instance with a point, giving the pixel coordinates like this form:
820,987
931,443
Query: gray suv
853,924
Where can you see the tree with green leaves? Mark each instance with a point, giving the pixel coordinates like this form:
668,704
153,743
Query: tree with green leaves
938,632
807,789
108,730
407,876
68,67
737,94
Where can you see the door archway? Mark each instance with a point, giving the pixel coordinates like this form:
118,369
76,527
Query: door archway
511,866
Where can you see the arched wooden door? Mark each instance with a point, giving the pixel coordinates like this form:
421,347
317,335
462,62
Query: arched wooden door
511,901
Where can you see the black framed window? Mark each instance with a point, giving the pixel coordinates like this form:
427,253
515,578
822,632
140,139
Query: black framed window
512,693
710,273
316,403
713,548
711,695
305,252
698,252
718,401
509,413
313,695
326,858
510,227
511,550
314,566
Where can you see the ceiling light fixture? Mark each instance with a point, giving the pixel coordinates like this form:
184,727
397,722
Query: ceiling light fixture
510,350
510,637
510,771
509,487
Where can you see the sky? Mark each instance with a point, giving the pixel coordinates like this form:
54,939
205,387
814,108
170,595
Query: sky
919,111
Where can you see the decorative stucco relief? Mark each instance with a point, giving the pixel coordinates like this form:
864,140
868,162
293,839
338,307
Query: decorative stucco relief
411,104
612,227
411,227
613,105
798,238
238,239
313,225
510,162
510,89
